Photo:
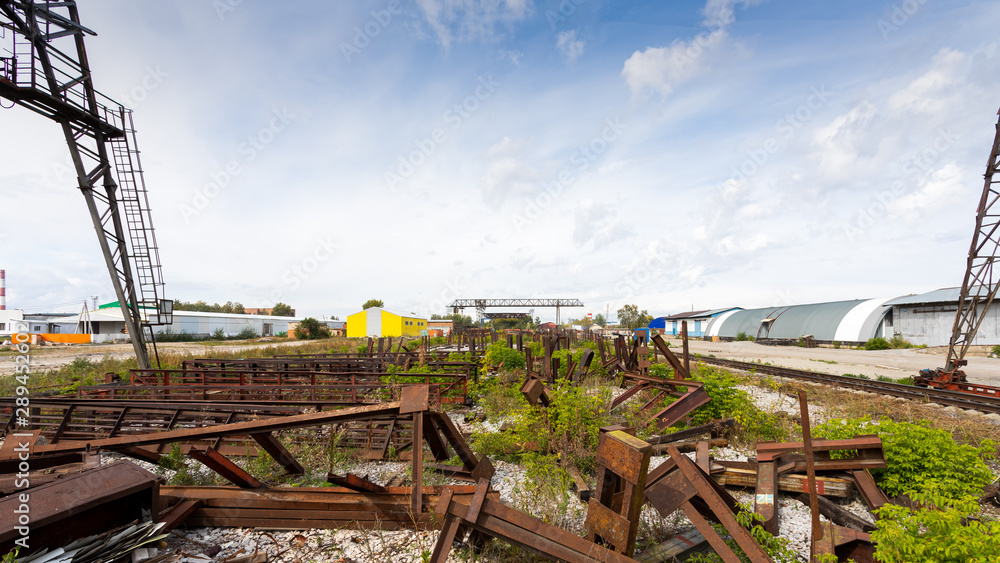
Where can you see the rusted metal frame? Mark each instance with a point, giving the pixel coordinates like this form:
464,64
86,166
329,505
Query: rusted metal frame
683,406
455,439
872,495
680,372
714,428
81,504
583,368
433,438
684,343
177,514
766,495
69,415
521,530
535,392
229,420
278,452
838,515
623,464
416,499
388,438
869,448
641,386
817,531
234,429
114,429
708,493
226,468
355,483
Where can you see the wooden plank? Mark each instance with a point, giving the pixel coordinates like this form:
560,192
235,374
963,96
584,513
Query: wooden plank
788,482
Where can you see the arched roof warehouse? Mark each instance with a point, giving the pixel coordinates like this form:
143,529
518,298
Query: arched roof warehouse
845,321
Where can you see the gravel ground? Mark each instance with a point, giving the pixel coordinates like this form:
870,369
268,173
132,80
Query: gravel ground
217,544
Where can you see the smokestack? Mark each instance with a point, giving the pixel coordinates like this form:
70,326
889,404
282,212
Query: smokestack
3,290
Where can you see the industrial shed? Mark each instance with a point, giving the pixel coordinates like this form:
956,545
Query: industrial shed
698,322
376,321
928,318
842,321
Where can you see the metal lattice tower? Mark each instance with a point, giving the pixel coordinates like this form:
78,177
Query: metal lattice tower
979,287
44,67
482,304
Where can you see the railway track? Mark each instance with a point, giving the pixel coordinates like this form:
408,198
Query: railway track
924,394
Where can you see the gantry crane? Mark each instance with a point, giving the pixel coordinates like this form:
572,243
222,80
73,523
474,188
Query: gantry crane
44,68
979,288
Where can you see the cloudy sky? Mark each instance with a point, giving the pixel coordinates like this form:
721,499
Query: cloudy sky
674,155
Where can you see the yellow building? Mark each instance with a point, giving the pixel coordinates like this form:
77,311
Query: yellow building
379,322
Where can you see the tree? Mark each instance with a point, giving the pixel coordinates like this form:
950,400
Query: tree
281,310
373,303
630,317
311,329
600,321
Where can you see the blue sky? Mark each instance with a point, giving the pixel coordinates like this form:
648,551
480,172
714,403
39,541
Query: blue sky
675,155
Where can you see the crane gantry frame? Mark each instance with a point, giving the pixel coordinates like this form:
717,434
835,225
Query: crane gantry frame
44,68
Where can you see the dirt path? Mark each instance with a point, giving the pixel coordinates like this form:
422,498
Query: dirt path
891,363
51,357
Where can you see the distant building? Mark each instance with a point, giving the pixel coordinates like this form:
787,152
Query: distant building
697,322
444,325
852,321
929,318
261,311
376,321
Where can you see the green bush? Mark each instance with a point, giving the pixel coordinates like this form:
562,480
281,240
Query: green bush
729,401
742,336
920,458
247,333
877,343
941,530
836,345
311,329
500,355
219,334
776,547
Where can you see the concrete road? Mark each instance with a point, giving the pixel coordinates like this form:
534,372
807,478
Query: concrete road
891,363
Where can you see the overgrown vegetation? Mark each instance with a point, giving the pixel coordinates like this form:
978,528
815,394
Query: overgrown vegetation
896,342
311,329
742,337
920,459
941,529
776,547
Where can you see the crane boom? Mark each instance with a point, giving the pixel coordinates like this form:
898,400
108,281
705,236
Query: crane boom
979,288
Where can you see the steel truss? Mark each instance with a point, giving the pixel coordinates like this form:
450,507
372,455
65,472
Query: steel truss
44,67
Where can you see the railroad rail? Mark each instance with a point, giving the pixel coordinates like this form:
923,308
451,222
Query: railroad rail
942,397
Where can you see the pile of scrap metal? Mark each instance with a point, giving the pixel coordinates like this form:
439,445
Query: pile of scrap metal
72,496
625,484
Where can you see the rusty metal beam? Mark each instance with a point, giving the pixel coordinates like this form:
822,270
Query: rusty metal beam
226,468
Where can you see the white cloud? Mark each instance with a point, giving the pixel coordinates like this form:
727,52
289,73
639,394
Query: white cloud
569,45
719,13
932,92
661,69
933,192
465,20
